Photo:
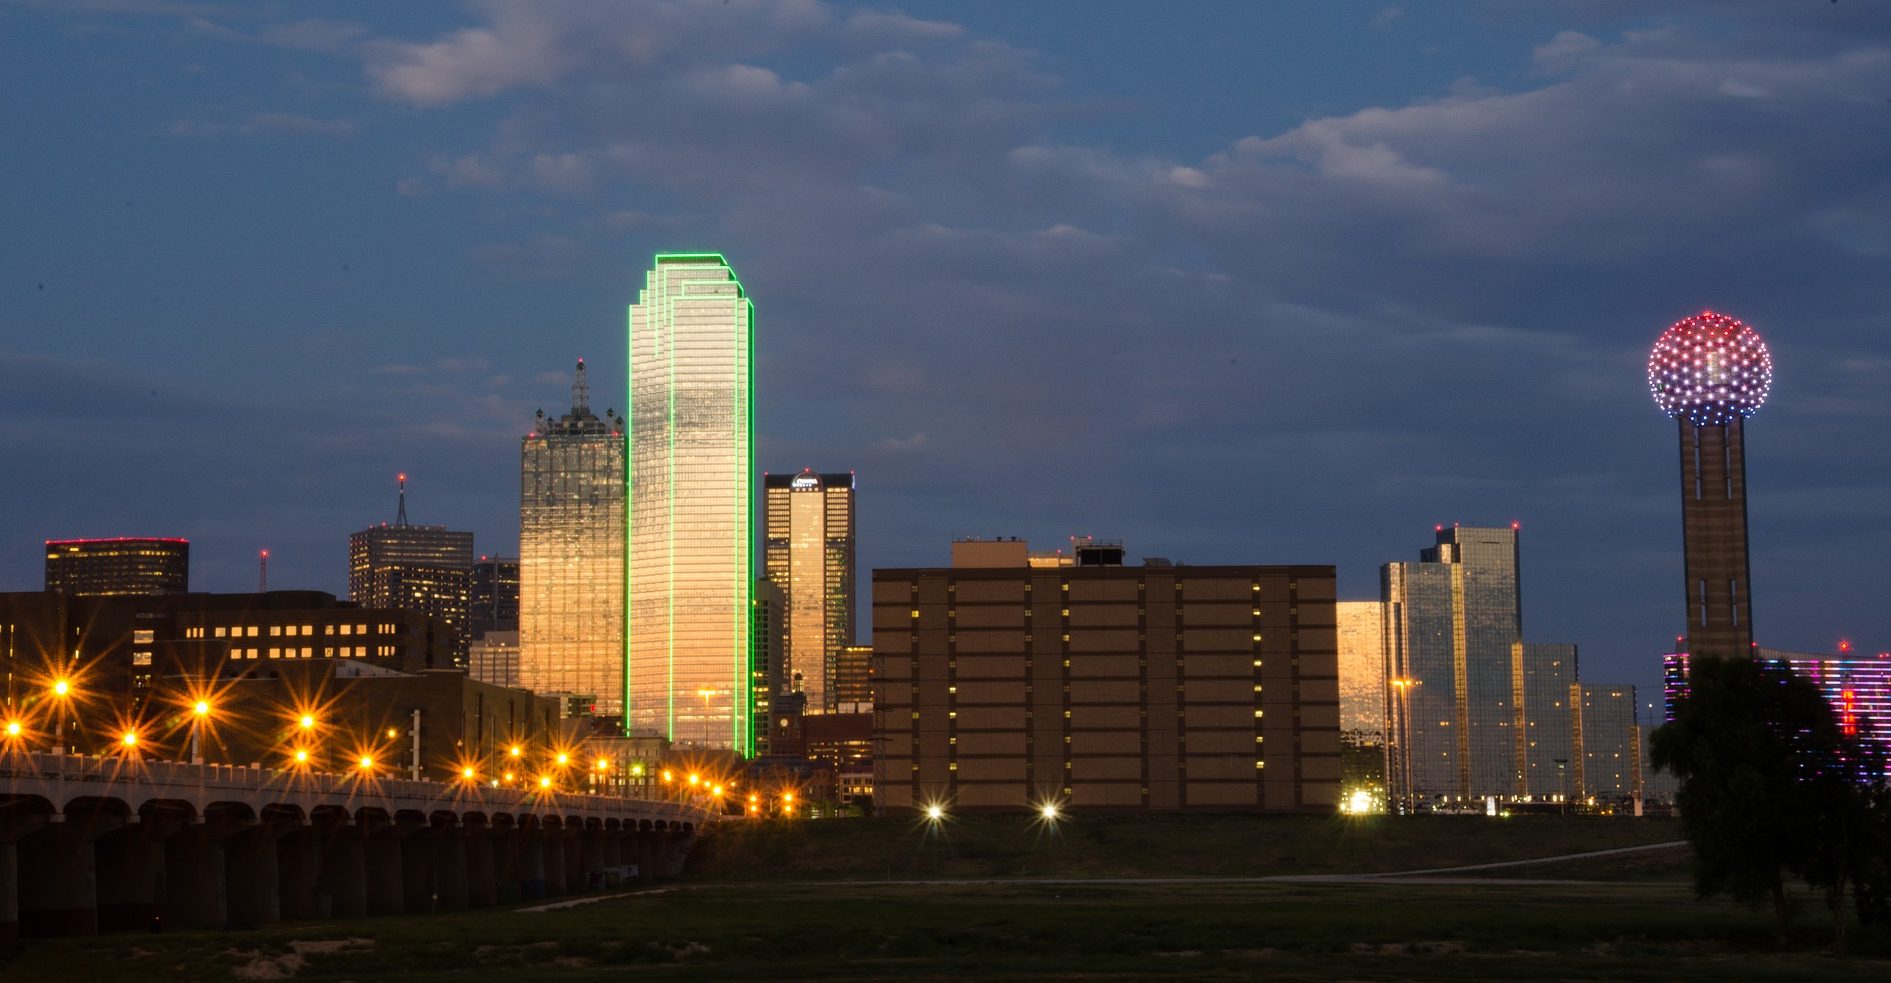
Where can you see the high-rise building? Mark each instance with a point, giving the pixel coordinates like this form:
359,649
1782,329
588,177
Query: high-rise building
691,566
808,551
494,658
121,566
1710,372
494,600
571,555
1547,696
424,569
1452,621
1156,687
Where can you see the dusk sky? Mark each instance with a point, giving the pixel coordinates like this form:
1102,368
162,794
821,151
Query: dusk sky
1234,282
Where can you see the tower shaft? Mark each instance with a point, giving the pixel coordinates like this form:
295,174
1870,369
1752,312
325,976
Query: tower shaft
1714,531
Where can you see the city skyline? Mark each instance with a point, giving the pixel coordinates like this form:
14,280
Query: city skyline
977,291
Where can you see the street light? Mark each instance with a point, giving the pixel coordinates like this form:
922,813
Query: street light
61,689
200,712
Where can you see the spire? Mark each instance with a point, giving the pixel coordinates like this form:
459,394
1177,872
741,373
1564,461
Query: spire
400,518
580,393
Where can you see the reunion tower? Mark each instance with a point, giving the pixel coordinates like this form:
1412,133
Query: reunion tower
1711,372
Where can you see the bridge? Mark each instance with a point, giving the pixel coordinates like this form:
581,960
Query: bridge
91,844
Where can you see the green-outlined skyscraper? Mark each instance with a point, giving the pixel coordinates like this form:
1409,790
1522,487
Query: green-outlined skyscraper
690,547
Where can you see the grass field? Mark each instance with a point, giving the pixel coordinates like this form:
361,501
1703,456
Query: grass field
803,917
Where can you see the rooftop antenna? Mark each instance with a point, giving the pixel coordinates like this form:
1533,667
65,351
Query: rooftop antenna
580,393
400,517
262,572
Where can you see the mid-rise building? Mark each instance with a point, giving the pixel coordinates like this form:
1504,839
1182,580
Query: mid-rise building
494,658
1548,695
129,565
768,632
808,551
424,569
1608,754
1362,701
494,601
1158,687
853,679
571,554
691,567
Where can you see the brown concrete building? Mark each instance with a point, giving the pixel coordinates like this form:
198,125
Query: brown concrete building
1000,683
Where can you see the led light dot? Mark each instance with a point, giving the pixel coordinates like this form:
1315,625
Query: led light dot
1710,369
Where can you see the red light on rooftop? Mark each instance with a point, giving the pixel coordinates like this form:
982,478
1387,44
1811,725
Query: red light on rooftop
401,476
1515,525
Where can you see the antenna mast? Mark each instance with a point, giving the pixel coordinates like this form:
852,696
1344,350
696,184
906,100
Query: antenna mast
580,393
400,517
262,572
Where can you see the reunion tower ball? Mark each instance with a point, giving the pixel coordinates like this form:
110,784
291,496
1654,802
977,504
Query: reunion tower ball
1709,369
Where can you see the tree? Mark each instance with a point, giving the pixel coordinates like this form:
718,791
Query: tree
1769,785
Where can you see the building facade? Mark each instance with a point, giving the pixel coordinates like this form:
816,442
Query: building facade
808,551
1548,696
494,601
1452,622
691,566
1157,687
571,555
424,569
1362,670
768,634
494,658
853,680
116,567
1608,754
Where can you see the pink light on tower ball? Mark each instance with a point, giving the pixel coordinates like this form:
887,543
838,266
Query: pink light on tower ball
1709,369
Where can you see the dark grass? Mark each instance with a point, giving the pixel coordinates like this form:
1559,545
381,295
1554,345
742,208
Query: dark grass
784,924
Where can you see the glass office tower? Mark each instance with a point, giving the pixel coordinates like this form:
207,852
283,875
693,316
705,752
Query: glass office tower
571,556
1452,622
808,551
691,561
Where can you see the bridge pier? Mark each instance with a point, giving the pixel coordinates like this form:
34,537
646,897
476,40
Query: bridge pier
419,868
299,872
647,856
130,864
9,891
386,882
58,883
552,839
250,877
482,879
343,881
508,877
591,852
611,848
449,867
194,879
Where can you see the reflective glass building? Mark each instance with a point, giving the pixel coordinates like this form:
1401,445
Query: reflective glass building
1547,695
808,551
1362,671
1452,621
691,555
571,556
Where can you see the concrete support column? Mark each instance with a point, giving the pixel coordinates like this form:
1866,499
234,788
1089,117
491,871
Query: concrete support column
449,868
647,856
342,890
299,872
418,870
612,844
674,852
251,887
554,864
577,880
130,878
9,892
58,883
482,879
387,889
528,861
506,864
193,879
591,854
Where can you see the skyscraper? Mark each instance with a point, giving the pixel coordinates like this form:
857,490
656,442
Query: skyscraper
128,565
808,551
1548,696
1362,704
428,569
1710,372
495,597
1451,621
691,563
571,555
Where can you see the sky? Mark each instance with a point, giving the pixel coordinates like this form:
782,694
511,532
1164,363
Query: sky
1233,282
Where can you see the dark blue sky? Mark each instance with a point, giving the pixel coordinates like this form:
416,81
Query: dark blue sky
1235,282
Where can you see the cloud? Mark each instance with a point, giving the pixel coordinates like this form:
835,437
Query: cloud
1386,18
292,123
912,443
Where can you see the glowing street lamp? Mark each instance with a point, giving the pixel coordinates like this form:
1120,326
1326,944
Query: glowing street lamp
199,713
366,763
61,690
1048,811
129,739
935,812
